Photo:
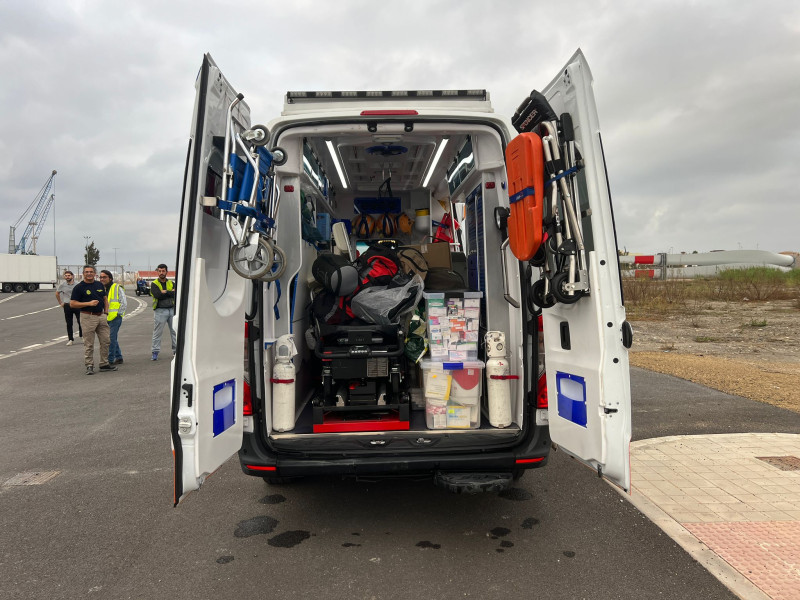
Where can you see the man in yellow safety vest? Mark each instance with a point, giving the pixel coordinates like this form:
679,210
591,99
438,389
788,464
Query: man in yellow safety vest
117,305
163,292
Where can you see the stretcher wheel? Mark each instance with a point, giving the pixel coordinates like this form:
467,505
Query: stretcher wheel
279,156
540,299
259,266
561,294
258,135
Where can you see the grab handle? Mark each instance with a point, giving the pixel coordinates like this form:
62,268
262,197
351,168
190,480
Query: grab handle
506,295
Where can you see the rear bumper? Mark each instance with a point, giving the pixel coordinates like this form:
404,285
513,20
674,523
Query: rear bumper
257,461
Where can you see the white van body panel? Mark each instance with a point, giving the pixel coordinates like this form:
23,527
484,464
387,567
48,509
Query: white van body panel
211,315
207,384
596,367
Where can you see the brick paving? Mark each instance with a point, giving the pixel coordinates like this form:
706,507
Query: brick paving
724,491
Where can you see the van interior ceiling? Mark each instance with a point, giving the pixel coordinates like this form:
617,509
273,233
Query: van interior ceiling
424,185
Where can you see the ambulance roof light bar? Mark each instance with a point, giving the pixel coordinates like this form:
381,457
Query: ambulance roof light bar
291,97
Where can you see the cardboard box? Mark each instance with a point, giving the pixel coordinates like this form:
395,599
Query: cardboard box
436,255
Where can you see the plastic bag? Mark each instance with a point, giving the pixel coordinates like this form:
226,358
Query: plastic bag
386,305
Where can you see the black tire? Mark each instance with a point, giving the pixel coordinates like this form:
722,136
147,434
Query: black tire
19,288
32,287
538,295
7,287
540,257
561,294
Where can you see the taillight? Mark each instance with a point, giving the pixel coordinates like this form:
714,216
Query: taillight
541,391
247,401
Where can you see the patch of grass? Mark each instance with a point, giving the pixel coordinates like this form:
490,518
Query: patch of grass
646,299
704,339
755,323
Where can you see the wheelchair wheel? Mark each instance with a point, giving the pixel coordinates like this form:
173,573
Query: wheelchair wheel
278,263
260,264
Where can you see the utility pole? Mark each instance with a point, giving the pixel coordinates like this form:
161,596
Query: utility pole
116,273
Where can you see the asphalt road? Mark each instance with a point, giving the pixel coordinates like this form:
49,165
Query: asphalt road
104,525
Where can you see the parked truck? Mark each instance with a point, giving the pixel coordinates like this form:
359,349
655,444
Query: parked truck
27,272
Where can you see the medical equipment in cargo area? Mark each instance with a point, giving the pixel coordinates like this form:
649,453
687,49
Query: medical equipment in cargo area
250,200
542,223
498,377
283,376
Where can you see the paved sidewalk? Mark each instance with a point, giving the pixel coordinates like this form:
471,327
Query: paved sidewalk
732,501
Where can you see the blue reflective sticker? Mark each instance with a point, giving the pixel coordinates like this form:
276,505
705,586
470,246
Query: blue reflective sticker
571,394
224,396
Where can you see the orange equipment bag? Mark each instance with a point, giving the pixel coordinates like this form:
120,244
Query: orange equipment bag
525,167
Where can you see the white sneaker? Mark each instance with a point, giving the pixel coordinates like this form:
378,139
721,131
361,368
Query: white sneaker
69,343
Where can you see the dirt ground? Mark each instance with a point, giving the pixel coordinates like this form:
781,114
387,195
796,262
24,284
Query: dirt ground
750,349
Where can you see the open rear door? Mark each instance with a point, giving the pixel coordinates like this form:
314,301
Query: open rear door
207,372
588,379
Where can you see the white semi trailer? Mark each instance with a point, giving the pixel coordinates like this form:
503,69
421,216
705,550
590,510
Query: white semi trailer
27,272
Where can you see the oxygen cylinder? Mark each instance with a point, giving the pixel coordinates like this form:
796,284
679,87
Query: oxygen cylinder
498,388
283,375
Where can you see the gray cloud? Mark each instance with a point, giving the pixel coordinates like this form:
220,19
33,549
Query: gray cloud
697,101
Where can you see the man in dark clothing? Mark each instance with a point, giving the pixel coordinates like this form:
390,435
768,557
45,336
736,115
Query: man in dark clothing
89,297
163,292
63,295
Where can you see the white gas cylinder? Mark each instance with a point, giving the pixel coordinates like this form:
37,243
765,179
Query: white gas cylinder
283,375
498,388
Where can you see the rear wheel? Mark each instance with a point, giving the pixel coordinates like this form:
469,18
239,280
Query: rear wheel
32,287
7,287
19,288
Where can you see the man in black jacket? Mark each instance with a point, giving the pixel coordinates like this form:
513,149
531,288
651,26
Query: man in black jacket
89,297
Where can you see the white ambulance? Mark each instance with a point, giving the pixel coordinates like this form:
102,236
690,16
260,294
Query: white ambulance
302,370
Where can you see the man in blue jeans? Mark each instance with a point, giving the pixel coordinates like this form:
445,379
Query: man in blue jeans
117,305
163,292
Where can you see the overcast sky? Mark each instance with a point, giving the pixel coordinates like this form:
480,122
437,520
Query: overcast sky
699,102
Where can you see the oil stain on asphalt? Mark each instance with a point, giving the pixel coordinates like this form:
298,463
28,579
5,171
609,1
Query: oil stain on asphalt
517,494
273,499
288,539
255,526
529,523
427,544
